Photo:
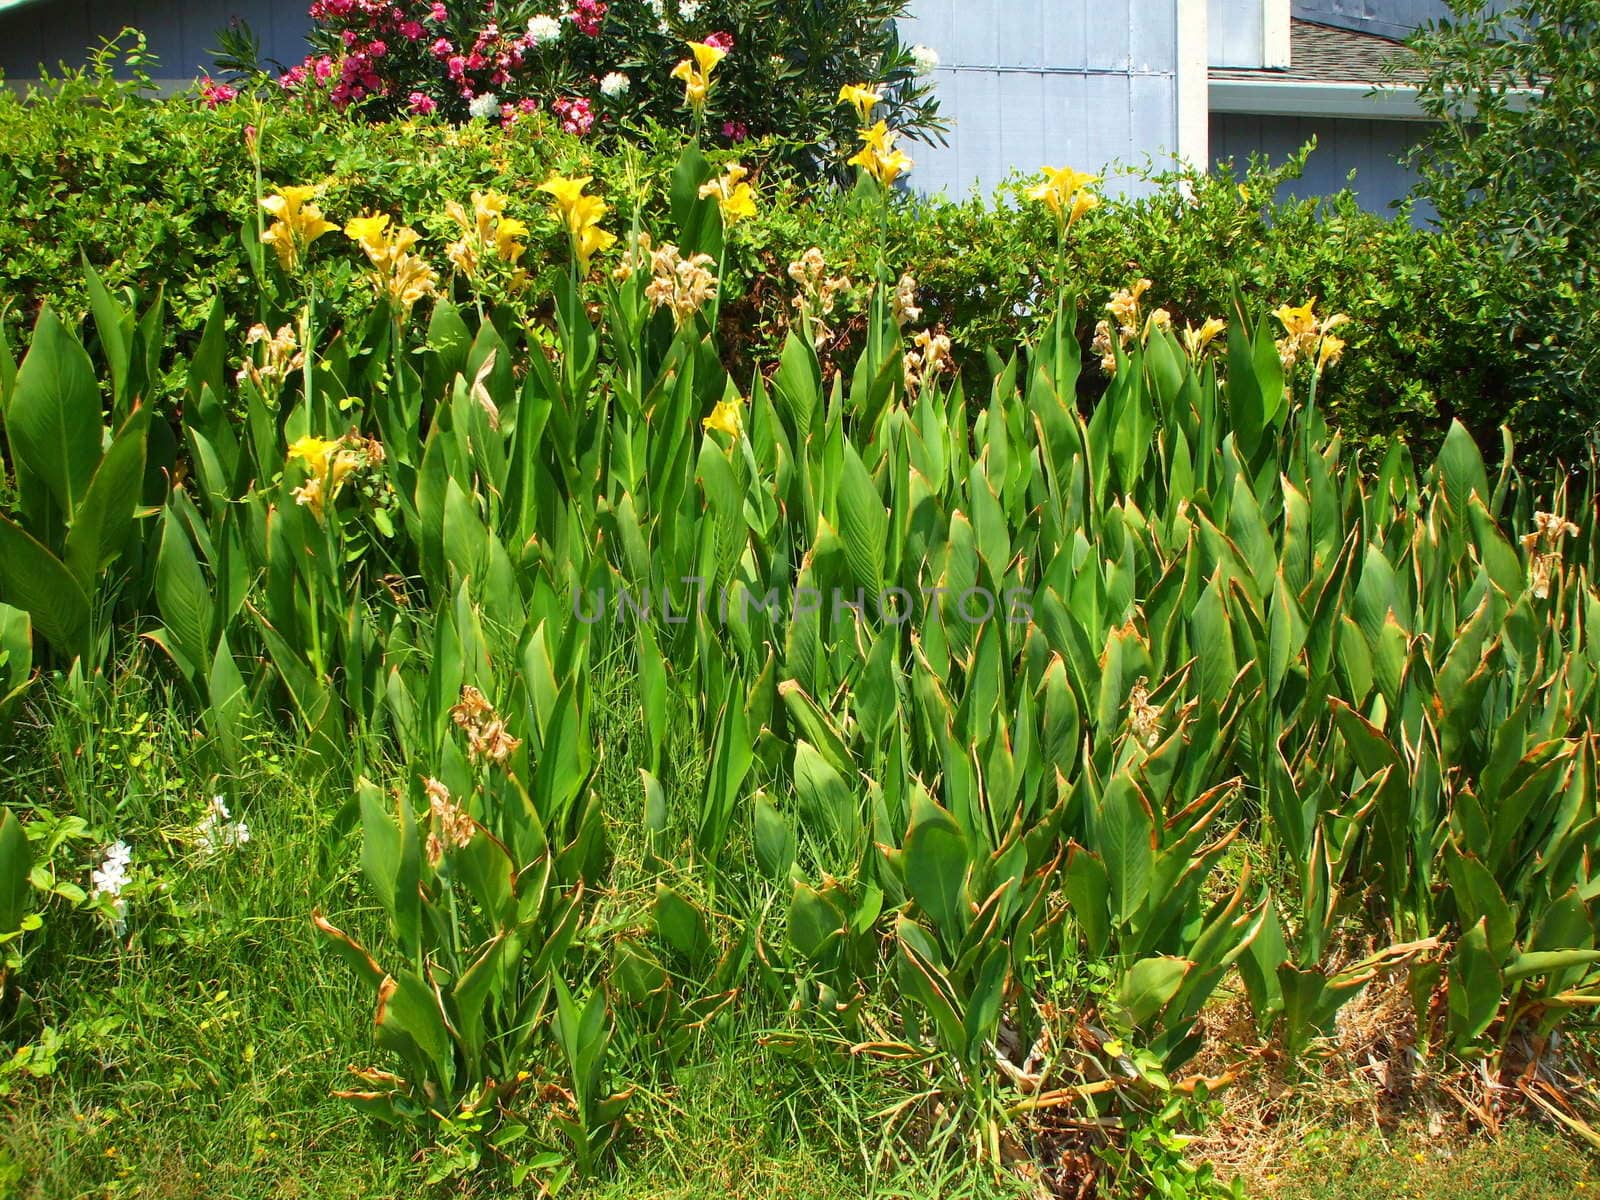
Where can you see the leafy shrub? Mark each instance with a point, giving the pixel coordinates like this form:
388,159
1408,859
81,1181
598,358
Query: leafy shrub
602,67
1512,165
149,191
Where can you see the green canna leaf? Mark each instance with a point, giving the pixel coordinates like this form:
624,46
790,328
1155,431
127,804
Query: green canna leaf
53,417
36,581
936,863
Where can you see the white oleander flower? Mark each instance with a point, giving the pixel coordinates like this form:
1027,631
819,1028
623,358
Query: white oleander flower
484,106
544,29
926,58
614,84
688,9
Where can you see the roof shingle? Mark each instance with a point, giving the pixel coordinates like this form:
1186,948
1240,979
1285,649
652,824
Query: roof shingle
1324,54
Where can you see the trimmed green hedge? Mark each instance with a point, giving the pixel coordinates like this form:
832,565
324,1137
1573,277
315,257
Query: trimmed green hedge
158,192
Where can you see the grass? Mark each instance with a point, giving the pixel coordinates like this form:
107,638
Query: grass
195,1056
1526,1162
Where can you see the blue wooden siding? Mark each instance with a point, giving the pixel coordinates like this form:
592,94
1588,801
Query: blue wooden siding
1369,148
1028,83
180,32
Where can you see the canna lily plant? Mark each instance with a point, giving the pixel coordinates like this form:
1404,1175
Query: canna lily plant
983,693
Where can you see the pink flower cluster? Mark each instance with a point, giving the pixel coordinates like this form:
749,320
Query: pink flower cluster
577,117
318,67
488,64
589,16
722,40
213,93
431,56
373,28
510,114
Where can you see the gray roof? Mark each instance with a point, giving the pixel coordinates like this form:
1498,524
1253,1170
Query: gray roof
1323,54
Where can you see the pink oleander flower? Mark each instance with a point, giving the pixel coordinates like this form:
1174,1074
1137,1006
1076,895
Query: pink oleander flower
735,131
442,48
438,13
213,93
422,104
576,115
722,40
589,16
411,31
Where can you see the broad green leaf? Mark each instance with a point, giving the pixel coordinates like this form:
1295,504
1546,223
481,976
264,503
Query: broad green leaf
1145,988
936,860
103,522
863,525
53,420
36,581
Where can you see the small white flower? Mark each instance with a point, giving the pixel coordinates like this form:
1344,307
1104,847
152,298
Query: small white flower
216,831
110,878
658,7
544,29
688,9
484,106
614,83
926,58
112,875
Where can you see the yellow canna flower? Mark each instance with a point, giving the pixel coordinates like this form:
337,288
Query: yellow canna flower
487,234
1298,322
593,240
565,191
398,275
727,417
696,73
1083,202
734,197
507,231
314,452
367,229
862,98
707,57
1195,340
1304,335
1065,192
298,223
580,215
330,464
878,156
695,85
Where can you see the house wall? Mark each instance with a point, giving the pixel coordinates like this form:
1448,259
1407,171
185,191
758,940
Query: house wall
1369,148
180,32
1025,83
